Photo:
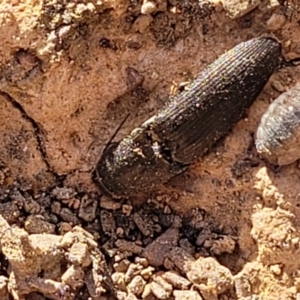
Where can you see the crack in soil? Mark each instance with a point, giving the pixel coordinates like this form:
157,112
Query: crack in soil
38,132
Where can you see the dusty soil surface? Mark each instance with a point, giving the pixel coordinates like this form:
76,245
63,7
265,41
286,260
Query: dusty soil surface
70,72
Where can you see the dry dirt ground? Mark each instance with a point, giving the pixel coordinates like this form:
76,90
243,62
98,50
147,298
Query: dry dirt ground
70,71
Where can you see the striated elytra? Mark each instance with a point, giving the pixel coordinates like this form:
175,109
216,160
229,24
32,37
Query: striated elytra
191,122
278,134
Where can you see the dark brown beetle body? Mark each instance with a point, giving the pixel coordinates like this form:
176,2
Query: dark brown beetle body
278,135
190,123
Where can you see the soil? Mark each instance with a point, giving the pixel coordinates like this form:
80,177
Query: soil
70,73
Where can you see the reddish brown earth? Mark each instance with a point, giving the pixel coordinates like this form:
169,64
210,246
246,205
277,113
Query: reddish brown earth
64,89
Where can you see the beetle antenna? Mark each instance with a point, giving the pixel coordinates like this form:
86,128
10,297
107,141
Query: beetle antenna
115,133
112,138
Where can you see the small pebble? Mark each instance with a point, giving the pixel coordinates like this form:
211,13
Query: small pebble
142,261
181,259
157,250
186,295
159,292
118,279
79,254
127,209
276,269
275,22
238,8
63,193
136,286
64,227
224,245
148,7
122,265
176,280
68,216
147,291
108,203
9,211
147,272
211,277
35,224
74,276
161,281
124,245
108,222
132,270
277,85
88,207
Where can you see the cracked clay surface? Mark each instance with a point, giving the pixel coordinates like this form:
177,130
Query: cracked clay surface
70,73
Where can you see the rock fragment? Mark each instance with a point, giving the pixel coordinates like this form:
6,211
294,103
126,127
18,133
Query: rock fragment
211,278
238,8
42,257
186,295
158,249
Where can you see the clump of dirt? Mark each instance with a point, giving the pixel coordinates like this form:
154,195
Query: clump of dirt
56,266
70,73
